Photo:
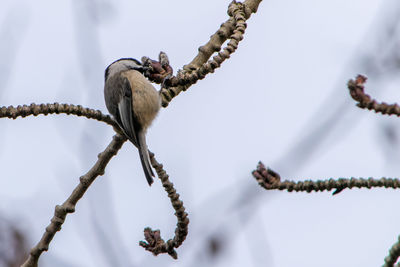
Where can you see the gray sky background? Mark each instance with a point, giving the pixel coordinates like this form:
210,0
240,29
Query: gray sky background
287,77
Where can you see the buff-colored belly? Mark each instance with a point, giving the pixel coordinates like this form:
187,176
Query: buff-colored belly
145,98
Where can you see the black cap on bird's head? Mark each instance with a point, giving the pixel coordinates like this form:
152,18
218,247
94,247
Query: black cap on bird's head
123,64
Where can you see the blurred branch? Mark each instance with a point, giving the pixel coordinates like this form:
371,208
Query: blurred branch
365,101
322,131
386,60
13,29
317,129
69,205
200,66
356,88
13,246
394,254
155,243
106,240
271,180
233,29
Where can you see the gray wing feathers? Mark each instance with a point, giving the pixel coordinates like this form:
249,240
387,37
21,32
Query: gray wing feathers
136,136
125,113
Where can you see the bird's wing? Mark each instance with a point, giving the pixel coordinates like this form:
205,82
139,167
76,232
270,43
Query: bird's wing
126,113
132,129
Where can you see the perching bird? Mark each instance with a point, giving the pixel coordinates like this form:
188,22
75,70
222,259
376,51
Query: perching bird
133,102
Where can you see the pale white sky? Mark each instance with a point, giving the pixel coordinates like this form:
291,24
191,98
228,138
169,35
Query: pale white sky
287,77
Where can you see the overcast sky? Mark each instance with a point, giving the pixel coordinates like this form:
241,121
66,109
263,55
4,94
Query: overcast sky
281,98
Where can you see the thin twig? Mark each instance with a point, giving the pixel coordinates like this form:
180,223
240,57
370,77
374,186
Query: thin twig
68,206
271,180
356,88
155,244
394,254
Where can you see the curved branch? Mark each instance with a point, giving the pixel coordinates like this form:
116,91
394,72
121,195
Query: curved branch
12,112
155,244
237,12
68,206
271,180
356,88
200,66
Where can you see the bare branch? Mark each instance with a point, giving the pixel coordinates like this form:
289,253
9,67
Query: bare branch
394,254
68,206
233,29
200,66
155,244
239,13
271,180
56,108
356,88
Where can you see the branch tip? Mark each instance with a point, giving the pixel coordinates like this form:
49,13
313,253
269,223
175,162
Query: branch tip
266,177
271,180
356,88
154,243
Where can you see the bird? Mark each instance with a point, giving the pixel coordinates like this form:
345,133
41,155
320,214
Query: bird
134,103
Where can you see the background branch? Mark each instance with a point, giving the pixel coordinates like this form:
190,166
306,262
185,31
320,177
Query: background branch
356,88
271,180
365,101
68,206
154,242
234,30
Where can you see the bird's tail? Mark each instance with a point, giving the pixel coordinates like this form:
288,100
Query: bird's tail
144,157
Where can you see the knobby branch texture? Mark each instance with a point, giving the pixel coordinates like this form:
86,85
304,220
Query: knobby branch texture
68,206
155,243
233,29
56,108
356,88
160,72
271,180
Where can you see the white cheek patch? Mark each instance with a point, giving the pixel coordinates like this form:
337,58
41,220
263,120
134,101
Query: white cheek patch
122,65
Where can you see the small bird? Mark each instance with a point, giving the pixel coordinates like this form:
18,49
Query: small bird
133,102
